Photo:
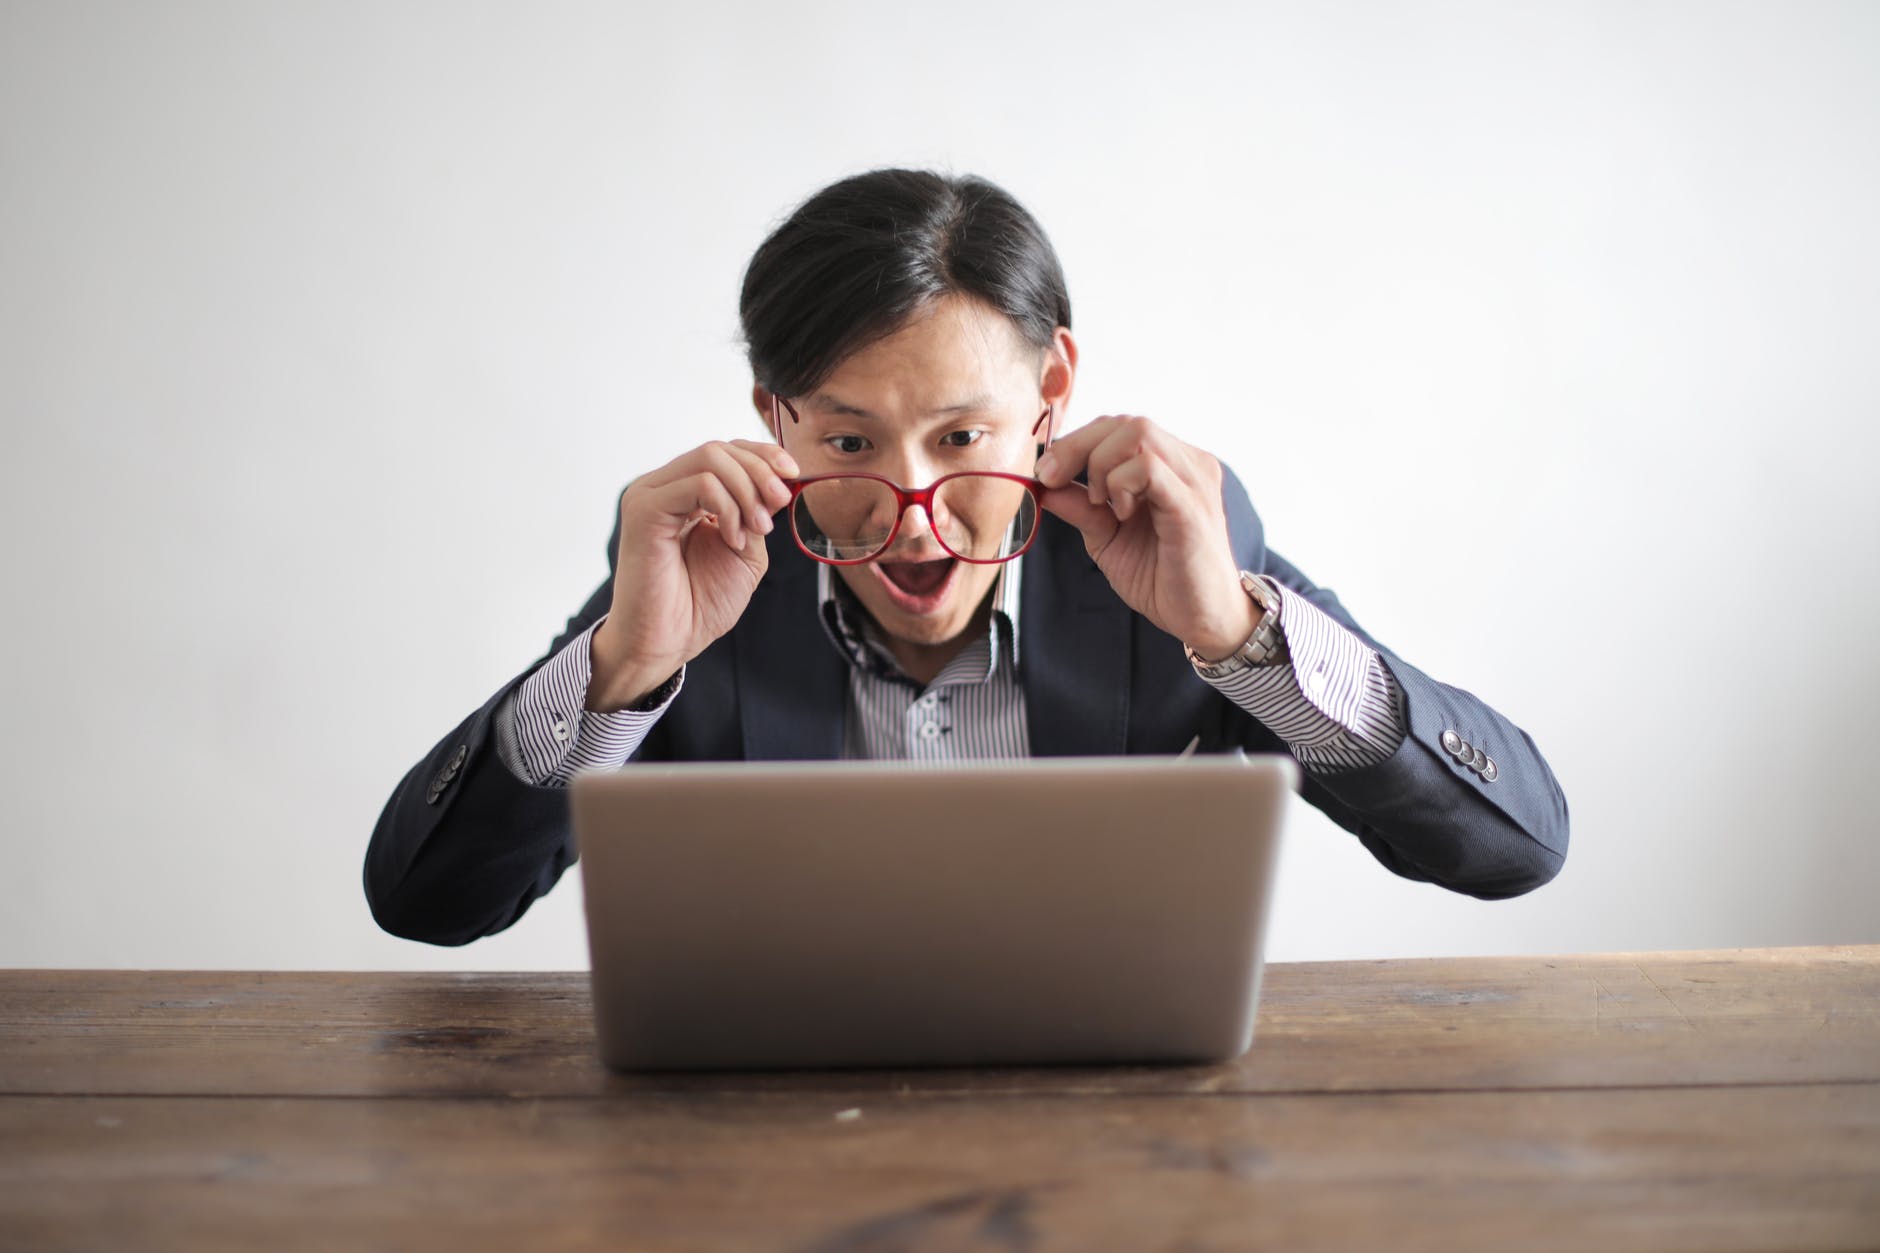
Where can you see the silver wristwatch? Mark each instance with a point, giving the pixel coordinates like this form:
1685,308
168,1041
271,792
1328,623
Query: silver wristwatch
1265,647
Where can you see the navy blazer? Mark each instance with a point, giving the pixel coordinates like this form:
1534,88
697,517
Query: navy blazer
464,847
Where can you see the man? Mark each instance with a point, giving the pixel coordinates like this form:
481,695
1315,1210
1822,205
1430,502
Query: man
922,566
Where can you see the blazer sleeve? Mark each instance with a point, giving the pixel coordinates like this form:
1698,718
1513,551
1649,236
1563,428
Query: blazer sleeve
1423,812
464,847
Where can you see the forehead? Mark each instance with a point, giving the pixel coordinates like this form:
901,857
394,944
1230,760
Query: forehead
954,355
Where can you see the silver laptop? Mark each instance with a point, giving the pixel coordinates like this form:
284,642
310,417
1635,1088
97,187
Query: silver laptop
849,914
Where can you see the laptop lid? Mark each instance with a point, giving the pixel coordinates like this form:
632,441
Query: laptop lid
846,914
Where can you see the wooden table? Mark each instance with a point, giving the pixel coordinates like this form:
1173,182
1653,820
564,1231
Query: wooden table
1642,1101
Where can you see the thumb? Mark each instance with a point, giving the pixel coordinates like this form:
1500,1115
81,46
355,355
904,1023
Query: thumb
1072,503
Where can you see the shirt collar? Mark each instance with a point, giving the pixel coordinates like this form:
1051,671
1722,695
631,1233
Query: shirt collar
855,635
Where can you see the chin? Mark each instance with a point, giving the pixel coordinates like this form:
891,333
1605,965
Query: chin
926,629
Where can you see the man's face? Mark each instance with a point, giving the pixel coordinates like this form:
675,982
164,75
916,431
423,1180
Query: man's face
954,389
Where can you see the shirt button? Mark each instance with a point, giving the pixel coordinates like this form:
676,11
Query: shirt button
929,730
561,730
929,701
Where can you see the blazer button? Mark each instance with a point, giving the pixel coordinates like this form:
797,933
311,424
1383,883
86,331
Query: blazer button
444,776
1489,772
1478,760
1452,743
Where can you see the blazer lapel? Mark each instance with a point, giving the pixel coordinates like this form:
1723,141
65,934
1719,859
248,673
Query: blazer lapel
791,680
1075,658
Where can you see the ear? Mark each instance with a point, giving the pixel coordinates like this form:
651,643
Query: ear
1057,373
761,400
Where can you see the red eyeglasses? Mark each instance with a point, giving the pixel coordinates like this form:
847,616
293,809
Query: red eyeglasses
981,516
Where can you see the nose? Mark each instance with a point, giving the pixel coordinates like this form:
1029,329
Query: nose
916,540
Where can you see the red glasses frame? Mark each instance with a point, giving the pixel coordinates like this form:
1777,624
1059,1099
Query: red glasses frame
905,496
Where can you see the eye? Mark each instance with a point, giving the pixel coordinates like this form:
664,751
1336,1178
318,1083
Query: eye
962,439
848,444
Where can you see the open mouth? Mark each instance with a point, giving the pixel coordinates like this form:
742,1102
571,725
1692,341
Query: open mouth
917,586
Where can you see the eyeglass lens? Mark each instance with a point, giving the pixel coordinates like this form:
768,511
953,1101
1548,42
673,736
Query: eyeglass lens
980,517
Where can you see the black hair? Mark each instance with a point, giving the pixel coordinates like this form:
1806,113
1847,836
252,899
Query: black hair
861,256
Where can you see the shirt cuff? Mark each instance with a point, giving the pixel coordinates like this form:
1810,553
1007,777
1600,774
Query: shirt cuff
544,732
1335,705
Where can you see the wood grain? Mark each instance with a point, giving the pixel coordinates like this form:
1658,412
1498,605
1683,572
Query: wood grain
1805,1015
1792,1167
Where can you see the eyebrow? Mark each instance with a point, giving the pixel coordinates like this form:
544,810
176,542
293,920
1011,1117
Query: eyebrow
842,409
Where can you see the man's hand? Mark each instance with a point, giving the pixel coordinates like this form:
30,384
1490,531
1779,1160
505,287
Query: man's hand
691,553
1152,521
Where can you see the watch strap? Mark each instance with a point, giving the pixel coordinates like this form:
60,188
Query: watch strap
1265,647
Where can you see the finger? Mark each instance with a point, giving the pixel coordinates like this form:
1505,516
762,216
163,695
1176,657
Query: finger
1125,441
1096,522
770,487
775,456
700,495
1129,483
705,455
1066,457
735,468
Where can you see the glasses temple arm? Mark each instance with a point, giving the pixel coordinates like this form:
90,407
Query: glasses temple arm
1046,420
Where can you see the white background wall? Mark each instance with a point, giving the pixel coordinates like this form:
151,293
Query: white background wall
1545,335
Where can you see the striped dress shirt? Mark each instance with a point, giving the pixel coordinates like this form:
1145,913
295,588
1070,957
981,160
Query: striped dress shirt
1333,701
